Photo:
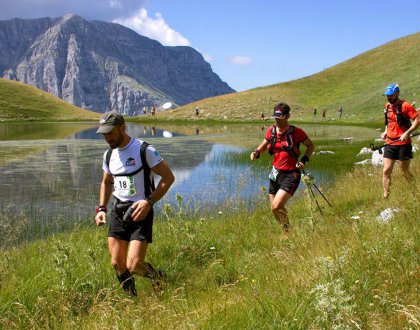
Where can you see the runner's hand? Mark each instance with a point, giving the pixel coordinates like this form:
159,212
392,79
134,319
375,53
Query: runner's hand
300,166
405,136
141,209
254,155
383,135
100,218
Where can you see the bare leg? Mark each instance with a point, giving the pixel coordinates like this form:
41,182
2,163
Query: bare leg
405,169
137,265
136,256
118,250
386,175
278,201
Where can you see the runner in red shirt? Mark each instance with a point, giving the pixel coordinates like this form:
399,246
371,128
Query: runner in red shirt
398,127
285,174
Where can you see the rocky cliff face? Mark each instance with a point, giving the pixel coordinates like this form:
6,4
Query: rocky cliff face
103,66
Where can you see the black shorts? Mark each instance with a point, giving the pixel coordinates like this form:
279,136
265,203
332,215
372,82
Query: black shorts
139,230
287,181
401,152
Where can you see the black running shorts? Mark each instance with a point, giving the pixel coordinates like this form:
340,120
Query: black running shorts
139,230
288,182
401,152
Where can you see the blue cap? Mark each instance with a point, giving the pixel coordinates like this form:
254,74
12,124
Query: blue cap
391,89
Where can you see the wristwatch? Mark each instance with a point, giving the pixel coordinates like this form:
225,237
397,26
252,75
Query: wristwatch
149,200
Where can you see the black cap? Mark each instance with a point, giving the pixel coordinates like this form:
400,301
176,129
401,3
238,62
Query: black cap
109,120
281,110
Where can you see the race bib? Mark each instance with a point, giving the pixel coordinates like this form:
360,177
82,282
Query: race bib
273,174
124,186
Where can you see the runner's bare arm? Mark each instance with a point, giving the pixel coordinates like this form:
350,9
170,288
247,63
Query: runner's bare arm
413,127
262,147
104,196
143,207
310,147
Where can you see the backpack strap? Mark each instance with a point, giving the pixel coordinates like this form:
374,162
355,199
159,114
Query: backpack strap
149,183
402,120
290,136
292,148
386,114
108,157
273,138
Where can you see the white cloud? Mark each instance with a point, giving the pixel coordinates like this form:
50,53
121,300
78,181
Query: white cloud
115,4
208,58
240,60
154,27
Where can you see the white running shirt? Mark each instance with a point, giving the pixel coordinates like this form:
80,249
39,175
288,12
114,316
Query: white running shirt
125,161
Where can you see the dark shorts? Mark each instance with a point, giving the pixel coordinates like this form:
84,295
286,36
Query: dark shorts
402,152
287,181
140,230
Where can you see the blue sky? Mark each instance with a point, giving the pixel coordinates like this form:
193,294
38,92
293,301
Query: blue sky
249,43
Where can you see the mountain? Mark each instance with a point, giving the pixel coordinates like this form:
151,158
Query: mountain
103,66
356,84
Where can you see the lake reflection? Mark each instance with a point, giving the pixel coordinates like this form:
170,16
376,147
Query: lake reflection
52,174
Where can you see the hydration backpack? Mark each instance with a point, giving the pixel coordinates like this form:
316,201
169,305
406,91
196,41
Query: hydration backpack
292,148
402,120
149,184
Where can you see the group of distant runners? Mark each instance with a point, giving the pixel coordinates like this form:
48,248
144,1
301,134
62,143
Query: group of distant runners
152,110
324,112
128,167
314,113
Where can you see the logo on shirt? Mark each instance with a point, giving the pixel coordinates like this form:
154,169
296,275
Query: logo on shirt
130,162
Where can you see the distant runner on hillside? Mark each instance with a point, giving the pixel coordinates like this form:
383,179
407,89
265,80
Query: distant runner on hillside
282,140
398,127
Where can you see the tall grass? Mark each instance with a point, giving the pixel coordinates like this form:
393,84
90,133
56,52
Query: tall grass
236,271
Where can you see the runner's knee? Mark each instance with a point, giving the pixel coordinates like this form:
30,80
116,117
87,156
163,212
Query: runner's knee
279,209
387,171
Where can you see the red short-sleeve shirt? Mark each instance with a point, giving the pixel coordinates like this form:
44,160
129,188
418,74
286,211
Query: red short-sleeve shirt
282,160
394,130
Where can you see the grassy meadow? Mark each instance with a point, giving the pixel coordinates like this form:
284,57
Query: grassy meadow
20,102
235,270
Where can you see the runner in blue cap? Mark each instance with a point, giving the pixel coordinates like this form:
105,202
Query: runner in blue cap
401,120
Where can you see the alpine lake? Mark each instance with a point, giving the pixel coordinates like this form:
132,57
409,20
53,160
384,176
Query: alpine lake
51,172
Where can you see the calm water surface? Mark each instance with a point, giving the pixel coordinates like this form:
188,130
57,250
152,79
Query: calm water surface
51,173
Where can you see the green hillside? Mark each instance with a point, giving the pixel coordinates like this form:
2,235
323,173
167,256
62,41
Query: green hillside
23,102
357,85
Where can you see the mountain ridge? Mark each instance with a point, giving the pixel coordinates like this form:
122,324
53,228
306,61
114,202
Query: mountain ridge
81,61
